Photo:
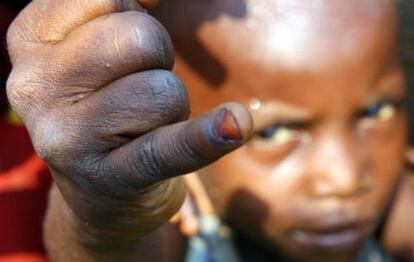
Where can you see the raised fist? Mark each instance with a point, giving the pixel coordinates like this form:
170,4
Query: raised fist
92,82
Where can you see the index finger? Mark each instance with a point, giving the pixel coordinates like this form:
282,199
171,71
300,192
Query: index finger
50,21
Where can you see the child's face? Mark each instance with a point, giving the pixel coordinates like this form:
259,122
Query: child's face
325,87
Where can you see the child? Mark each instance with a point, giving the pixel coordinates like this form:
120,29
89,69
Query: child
323,84
300,184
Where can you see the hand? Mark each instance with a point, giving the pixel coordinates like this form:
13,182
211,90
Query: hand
91,80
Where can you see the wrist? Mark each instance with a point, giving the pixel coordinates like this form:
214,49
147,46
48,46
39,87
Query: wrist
105,220
68,238
85,232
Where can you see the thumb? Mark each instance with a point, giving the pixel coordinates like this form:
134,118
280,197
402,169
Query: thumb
181,148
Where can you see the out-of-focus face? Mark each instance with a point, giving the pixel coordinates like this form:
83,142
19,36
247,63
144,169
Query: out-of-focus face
325,88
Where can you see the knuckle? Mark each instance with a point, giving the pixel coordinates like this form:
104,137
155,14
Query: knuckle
14,33
62,145
11,39
149,39
20,91
172,101
50,140
191,150
162,98
24,28
26,90
15,95
150,159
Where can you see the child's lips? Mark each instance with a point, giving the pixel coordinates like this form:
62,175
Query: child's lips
333,238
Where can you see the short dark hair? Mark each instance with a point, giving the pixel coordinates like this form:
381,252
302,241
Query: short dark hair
406,16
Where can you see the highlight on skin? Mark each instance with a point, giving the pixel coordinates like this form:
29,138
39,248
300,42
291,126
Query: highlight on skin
327,102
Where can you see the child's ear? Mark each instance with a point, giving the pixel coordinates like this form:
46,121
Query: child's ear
409,159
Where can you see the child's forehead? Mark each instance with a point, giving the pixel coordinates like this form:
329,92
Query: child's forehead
301,33
249,45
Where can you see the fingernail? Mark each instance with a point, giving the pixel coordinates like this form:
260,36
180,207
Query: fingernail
226,127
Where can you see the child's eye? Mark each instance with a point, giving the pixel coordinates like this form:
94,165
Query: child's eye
383,110
278,135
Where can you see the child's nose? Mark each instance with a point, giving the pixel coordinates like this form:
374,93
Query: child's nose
337,168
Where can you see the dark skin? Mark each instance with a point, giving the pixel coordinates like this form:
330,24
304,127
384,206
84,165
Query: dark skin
104,119
316,168
95,118
398,237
